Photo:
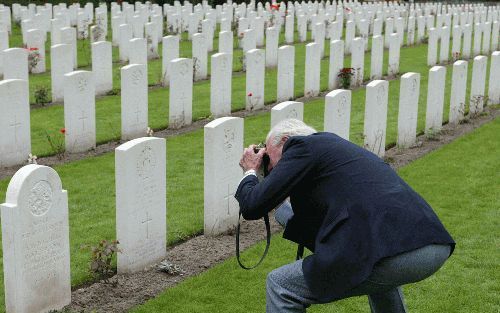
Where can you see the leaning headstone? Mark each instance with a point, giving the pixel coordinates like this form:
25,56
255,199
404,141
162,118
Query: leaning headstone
394,50
134,101
200,61
336,63
223,145
138,53
170,51
79,111
15,64
338,112
15,141
255,79
408,109
36,45
357,61
494,80
181,93
286,110
220,84
35,240
375,123
141,210
458,89
272,37
61,59
286,73
478,83
102,66
435,97
312,72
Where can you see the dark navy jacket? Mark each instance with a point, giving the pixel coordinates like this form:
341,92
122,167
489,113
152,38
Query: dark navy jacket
350,209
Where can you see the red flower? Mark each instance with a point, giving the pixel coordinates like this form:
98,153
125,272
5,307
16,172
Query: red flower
62,131
33,49
250,94
275,6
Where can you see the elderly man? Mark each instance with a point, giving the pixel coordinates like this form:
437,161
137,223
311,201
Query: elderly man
368,231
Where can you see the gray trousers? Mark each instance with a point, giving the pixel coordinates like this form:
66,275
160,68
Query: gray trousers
287,291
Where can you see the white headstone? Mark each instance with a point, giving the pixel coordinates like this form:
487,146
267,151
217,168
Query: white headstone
394,50
358,61
444,51
68,37
36,44
313,70
134,101
15,64
125,31
220,84
151,31
478,83
377,57
272,37
408,109
141,210
338,112
458,90
170,51
494,80
61,58
478,31
15,141
432,47
289,29
102,66
435,97
375,123
181,93
255,79
79,111
200,58
495,34
486,38
226,42
466,50
223,145
286,73
286,110
349,35
249,40
35,240
336,63
138,53
456,43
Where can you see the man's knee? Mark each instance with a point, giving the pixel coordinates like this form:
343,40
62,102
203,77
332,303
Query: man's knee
273,279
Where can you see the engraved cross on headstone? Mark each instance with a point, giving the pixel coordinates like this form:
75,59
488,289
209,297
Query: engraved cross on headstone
146,222
15,125
82,118
228,197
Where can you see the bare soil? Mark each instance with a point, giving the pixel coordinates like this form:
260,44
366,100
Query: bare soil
201,253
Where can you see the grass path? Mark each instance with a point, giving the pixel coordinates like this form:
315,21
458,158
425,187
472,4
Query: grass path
461,181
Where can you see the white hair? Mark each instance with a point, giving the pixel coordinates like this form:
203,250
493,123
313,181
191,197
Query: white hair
288,128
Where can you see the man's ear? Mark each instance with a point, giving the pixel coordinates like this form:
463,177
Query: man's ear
283,140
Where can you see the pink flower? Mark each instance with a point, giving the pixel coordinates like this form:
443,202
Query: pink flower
62,131
250,94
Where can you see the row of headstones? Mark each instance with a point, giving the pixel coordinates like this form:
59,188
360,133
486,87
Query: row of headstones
35,228
487,34
78,89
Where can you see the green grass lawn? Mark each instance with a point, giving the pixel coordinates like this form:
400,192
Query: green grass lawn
460,181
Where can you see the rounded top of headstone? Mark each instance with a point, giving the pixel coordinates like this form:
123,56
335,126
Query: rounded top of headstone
337,92
13,83
36,187
284,104
138,141
377,82
221,120
16,50
410,74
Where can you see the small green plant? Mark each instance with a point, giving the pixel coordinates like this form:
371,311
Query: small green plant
101,258
56,143
345,76
432,134
41,95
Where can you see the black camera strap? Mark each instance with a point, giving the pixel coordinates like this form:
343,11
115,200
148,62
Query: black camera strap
268,232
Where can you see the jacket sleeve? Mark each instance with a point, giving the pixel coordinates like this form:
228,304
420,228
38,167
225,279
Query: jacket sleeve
257,199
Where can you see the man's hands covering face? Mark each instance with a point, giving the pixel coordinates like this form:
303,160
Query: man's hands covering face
251,160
